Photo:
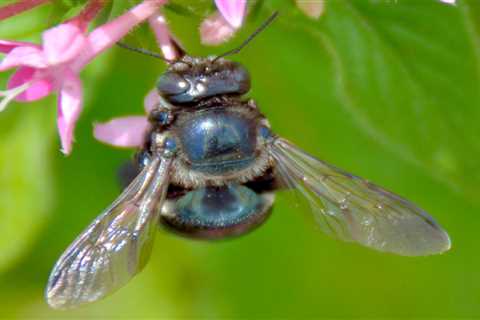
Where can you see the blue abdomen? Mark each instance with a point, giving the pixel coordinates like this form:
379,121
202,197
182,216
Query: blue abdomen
218,142
216,212
214,207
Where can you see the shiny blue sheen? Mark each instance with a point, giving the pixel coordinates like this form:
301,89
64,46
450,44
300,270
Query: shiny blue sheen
170,144
218,142
171,83
143,159
233,80
265,132
163,117
218,207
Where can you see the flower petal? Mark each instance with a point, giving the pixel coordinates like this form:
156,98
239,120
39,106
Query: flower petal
108,34
24,56
215,30
70,101
63,43
232,10
6,46
164,39
151,101
38,89
127,132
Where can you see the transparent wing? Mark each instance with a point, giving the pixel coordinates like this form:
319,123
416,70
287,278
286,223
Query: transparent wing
115,246
354,209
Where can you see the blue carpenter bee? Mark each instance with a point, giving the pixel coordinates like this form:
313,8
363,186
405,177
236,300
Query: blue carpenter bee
209,169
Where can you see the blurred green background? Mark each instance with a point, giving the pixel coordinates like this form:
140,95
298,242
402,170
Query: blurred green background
386,89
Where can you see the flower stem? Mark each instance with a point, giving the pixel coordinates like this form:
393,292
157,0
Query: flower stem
88,13
18,7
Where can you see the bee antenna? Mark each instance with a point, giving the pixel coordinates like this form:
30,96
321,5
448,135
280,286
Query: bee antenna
144,51
155,55
262,27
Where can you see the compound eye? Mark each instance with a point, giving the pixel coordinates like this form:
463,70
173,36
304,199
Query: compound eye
171,83
241,77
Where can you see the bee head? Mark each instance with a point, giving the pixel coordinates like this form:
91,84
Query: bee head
190,80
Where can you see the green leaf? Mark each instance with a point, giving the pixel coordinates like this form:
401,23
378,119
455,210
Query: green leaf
408,72
25,181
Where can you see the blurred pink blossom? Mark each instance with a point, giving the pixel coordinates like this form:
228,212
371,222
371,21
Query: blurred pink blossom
124,132
164,38
232,10
215,30
221,26
128,131
55,65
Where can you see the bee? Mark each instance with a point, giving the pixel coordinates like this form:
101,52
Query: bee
209,169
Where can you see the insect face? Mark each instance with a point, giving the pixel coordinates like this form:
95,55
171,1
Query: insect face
193,79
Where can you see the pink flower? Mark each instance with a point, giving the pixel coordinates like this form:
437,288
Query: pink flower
124,132
215,30
129,131
56,64
221,26
232,10
164,39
